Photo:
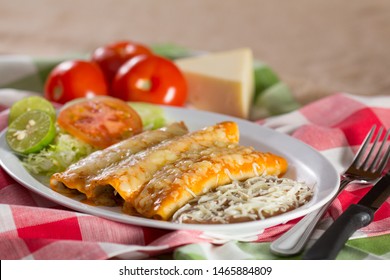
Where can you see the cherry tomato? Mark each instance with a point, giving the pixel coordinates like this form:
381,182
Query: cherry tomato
100,121
74,79
112,56
150,78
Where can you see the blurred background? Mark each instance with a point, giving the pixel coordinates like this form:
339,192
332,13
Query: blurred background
317,46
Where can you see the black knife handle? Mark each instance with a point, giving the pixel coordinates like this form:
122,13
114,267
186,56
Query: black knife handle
332,241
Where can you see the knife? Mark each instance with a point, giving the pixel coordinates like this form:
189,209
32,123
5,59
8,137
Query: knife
355,217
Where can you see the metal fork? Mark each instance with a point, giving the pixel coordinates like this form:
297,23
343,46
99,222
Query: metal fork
365,167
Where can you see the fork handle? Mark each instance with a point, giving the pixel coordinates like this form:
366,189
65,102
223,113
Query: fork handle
332,241
295,239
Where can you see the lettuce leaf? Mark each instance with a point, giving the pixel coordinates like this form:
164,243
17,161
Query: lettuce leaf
152,116
64,151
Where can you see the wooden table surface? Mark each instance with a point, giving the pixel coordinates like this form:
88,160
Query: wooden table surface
318,47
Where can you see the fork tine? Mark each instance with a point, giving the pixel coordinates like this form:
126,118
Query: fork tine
381,164
363,147
384,161
366,161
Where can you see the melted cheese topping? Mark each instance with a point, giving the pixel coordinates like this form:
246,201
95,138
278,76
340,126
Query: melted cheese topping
253,199
199,172
79,175
125,172
128,176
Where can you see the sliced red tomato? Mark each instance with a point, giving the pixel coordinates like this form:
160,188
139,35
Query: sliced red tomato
74,79
150,78
113,56
100,121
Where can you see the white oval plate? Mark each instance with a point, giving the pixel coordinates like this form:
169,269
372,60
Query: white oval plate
305,164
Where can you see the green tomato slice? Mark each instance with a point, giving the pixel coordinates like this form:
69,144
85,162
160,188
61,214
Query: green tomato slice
29,104
31,132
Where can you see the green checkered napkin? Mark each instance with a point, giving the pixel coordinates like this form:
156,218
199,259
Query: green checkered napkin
368,248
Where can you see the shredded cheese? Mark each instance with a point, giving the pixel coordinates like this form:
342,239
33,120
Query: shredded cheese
256,198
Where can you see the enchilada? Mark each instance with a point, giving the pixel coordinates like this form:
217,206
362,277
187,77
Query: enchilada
196,174
133,164
79,175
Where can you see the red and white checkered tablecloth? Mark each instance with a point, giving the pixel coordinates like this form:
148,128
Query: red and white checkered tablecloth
32,227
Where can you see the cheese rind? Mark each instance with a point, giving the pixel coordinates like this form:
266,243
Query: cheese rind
220,82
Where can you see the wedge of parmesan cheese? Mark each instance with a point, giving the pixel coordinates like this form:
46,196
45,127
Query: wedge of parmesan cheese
220,82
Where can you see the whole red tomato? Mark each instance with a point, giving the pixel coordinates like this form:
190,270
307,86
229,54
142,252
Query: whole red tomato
150,78
112,56
74,79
